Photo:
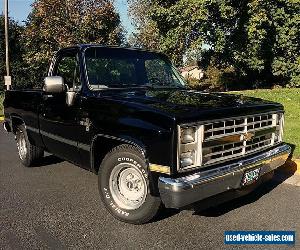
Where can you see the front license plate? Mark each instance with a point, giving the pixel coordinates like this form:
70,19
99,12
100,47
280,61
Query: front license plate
250,176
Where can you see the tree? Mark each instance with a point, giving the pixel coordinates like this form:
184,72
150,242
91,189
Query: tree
146,34
16,50
54,24
259,38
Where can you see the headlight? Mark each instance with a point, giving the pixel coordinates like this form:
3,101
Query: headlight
188,134
188,147
187,159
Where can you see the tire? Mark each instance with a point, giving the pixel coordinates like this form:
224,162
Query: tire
28,153
124,171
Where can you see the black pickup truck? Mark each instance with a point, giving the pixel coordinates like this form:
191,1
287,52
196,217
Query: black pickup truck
126,115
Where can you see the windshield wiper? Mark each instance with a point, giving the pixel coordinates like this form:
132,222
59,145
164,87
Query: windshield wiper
155,86
144,86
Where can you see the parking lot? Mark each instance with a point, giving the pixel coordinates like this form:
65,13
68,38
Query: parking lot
56,205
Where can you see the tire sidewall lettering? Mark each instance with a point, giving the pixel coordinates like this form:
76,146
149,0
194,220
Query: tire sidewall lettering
112,204
134,162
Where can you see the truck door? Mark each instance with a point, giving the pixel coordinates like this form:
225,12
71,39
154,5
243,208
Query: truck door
59,122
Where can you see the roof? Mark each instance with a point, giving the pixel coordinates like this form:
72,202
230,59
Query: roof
84,46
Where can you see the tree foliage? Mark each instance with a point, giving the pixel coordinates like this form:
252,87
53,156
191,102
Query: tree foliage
54,24
146,34
259,38
16,50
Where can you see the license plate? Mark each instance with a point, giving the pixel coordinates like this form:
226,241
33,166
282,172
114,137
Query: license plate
250,176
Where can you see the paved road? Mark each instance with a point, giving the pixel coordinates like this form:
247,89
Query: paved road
57,206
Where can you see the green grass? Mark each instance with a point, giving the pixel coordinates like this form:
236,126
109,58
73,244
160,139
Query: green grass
1,103
290,98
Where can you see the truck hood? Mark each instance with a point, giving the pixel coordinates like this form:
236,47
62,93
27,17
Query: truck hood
190,105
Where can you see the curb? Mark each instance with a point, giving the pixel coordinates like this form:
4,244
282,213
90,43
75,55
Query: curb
297,162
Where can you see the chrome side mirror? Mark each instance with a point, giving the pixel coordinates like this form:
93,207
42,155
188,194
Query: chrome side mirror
54,84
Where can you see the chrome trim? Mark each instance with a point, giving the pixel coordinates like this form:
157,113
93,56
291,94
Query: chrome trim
35,130
181,191
60,139
229,118
85,147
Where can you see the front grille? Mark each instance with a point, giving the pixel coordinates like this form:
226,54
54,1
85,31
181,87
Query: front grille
219,141
231,138
233,126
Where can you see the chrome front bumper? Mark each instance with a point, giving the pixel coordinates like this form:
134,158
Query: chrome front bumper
182,191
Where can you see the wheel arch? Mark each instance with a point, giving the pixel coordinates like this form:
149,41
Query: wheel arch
15,122
102,144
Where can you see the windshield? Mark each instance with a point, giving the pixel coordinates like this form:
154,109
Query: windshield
125,68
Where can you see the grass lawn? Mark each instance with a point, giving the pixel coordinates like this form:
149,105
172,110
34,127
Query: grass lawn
290,98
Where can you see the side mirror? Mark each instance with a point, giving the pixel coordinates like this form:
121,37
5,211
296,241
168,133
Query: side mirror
54,84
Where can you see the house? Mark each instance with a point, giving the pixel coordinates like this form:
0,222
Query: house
192,72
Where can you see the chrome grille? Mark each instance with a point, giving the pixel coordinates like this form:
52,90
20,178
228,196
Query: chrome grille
262,121
219,141
241,133
259,142
219,129
228,127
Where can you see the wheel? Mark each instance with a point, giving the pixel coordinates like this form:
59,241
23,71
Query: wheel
28,153
124,186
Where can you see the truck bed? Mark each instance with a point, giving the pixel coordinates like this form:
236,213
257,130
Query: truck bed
25,105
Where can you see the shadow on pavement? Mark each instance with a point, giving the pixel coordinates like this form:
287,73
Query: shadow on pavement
164,214
237,202
47,160
238,199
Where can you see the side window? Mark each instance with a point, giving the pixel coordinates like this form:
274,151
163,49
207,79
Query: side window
67,67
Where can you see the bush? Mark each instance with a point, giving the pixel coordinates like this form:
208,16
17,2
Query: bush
294,82
215,79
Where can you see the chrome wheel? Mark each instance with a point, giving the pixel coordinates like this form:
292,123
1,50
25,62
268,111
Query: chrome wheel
21,144
128,186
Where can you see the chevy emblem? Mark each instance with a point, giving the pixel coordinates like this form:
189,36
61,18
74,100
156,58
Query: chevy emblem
248,136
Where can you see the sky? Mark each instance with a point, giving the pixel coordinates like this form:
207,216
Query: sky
19,10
